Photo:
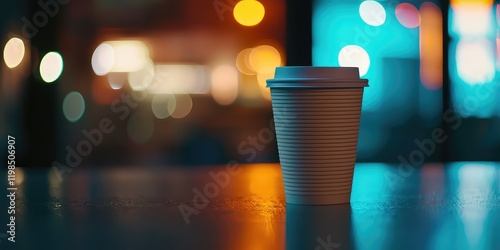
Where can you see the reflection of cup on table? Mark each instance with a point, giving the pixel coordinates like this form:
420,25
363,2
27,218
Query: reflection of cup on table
316,113
319,227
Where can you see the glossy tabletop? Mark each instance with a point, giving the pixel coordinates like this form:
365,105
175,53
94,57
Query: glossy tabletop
436,206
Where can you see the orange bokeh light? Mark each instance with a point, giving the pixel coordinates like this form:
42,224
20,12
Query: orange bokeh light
454,3
431,41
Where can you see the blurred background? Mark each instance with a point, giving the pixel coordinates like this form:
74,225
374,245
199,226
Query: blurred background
165,82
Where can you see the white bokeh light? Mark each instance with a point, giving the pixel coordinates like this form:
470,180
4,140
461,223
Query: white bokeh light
117,80
141,79
103,59
51,67
129,55
159,105
354,56
372,13
473,20
475,62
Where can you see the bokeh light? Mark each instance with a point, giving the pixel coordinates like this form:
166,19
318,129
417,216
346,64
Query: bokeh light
120,56
408,15
264,59
73,106
431,46
243,62
472,19
249,12
497,41
472,49
140,127
354,56
180,106
224,84
103,59
372,13
51,67
249,90
180,79
159,105
141,79
475,62
117,80
19,176
102,93
130,56
13,52
455,3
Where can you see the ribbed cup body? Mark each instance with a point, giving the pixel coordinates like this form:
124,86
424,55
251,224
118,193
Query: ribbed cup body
317,131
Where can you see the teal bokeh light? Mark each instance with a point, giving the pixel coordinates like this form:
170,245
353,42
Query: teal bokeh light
337,24
394,94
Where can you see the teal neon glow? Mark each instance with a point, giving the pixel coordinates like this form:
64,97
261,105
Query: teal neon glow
337,24
393,71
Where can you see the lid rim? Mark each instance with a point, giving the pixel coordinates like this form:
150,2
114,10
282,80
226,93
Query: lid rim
316,77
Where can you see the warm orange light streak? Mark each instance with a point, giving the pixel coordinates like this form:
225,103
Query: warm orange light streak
455,3
431,42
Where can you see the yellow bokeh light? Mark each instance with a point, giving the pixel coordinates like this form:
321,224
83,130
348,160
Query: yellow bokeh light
243,62
13,52
454,3
249,12
51,67
19,176
264,59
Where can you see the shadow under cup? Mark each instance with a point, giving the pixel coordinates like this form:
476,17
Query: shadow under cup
316,114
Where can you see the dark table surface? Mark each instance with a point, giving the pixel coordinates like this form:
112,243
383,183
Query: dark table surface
436,206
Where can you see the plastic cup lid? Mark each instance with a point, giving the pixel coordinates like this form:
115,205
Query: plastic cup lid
316,77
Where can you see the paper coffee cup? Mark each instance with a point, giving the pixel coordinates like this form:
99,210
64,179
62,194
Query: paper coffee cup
316,114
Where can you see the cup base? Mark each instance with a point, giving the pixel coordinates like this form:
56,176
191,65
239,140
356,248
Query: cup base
318,199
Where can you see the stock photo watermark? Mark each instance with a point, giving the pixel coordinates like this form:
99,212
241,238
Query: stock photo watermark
364,36
122,107
223,6
41,18
326,244
428,146
11,189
